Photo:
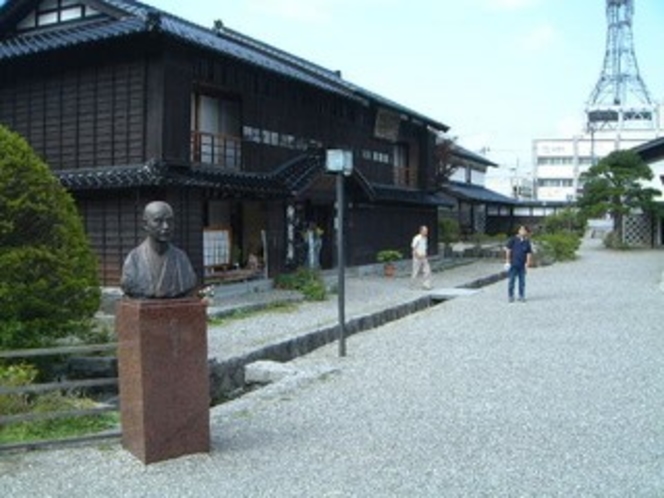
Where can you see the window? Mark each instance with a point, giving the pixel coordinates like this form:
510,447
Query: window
51,12
216,131
402,173
554,182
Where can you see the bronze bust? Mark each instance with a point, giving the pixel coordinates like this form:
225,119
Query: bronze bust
156,269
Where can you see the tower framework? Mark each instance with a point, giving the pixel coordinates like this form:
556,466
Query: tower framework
620,99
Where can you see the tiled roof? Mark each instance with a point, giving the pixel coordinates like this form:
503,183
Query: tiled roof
297,174
79,34
287,181
476,194
463,153
651,151
390,193
129,17
161,174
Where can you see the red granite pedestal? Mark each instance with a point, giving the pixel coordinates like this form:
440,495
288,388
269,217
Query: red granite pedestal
163,377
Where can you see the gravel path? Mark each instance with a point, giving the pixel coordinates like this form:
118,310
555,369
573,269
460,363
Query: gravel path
560,396
364,295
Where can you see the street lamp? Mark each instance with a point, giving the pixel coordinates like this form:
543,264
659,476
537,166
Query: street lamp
340,162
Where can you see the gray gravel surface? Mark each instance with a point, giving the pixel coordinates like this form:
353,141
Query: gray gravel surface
559,396
364,295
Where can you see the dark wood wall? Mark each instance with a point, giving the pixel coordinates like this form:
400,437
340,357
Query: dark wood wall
80,110
373,228
276,103
114,224
90,114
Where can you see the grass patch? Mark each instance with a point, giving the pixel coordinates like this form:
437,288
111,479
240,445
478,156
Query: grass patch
309,282
22,432
276,307
24,374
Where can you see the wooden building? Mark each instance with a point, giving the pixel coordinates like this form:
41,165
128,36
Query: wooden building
128,104
472,201
648,228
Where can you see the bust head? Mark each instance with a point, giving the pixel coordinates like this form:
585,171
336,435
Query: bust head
158,222
156,268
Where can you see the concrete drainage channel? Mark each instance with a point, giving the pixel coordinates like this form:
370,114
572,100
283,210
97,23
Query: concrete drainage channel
228,379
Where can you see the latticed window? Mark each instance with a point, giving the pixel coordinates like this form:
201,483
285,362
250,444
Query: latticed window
51,12
216,131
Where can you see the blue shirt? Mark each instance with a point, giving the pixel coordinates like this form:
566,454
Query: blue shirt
520,248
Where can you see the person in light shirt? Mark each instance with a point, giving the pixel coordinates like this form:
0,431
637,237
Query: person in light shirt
420,259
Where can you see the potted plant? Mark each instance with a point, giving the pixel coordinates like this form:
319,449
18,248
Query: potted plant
388,257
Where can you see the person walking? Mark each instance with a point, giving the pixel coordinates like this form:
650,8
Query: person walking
420,260
518,255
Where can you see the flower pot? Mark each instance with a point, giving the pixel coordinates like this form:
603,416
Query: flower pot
389,269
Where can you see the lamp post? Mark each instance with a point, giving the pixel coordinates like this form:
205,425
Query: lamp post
340,162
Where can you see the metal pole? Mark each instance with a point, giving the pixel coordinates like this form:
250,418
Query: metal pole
341,263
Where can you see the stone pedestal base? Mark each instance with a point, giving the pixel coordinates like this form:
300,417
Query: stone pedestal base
163,378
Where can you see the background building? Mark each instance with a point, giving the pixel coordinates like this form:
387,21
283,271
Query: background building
560,161
620,114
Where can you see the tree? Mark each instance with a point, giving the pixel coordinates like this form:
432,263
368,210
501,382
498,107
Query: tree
614,186
48,275
444,158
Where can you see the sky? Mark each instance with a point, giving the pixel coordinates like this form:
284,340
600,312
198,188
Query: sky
500,73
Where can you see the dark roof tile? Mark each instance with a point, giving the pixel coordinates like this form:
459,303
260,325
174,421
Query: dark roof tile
390,193
287,181
161,174
476,193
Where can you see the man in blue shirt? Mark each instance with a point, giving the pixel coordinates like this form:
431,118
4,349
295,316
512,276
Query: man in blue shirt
518,255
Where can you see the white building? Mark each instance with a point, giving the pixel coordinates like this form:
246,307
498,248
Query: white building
560,161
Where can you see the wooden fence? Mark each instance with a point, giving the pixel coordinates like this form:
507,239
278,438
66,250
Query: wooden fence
64,385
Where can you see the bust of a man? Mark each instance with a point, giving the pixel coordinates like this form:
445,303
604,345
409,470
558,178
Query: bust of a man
157,269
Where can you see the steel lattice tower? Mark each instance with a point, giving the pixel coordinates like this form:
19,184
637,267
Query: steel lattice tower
620,98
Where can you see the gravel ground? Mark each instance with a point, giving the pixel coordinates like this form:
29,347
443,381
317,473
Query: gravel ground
560,396
364,295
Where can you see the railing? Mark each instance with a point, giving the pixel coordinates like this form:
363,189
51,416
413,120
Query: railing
65,385
216,148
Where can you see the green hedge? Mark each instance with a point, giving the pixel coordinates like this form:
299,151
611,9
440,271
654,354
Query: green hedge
48,283
559,246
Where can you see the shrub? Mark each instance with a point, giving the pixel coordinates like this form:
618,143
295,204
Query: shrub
561,245
16,375
388,256
48,284
308,282
612,240
567,220
448,230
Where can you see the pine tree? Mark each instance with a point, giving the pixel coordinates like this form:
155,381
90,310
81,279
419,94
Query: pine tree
615,186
